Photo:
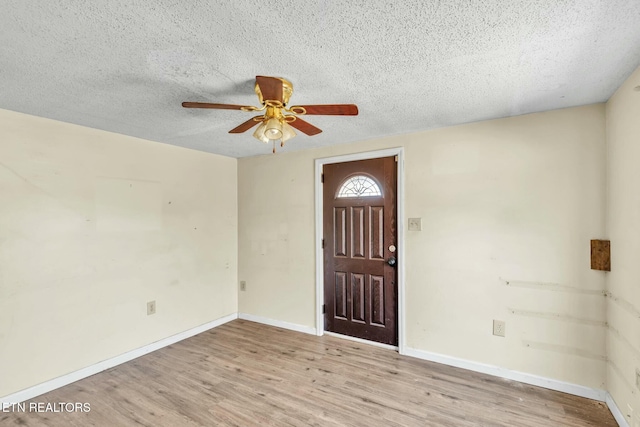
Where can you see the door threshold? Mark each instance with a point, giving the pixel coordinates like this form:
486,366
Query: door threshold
361,341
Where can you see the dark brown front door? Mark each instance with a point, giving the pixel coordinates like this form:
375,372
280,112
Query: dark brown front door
359,223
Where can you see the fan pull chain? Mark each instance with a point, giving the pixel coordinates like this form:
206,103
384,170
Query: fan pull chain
274,146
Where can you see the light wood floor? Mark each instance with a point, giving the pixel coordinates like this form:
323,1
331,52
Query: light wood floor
247,374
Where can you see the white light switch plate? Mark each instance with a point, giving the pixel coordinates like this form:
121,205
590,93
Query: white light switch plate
415,224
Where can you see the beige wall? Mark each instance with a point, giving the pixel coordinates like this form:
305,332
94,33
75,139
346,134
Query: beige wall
513,200
623,228
92,226
95,224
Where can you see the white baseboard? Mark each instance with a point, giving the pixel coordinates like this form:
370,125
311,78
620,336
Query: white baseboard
617,414
55,383
277,323
565,387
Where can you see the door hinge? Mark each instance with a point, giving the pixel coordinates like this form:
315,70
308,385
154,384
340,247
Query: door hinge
324,308
322,178
322,243
396,158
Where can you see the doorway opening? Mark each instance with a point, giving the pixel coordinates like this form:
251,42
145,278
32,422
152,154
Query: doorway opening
360,270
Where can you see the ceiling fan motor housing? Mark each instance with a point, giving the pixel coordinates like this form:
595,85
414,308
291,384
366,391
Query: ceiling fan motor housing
287,91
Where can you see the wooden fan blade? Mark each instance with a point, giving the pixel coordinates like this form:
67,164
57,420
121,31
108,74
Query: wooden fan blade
305,127
246,125
270,87
215,106
330,109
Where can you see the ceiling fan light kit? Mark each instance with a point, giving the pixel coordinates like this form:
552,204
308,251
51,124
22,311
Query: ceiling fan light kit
287,133
259,133
273,129
274,94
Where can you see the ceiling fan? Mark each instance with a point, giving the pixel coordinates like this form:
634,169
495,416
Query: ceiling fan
277,121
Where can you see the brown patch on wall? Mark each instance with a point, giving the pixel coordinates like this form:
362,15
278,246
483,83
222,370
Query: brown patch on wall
601,255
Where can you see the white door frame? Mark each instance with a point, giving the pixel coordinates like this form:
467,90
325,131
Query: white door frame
399,230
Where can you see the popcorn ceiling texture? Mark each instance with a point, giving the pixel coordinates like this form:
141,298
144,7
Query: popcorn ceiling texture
125,66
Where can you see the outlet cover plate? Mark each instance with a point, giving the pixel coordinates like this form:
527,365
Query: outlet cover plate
415,224
243,285
151,308
499,328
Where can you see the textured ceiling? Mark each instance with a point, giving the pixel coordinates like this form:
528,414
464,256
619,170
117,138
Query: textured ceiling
126,65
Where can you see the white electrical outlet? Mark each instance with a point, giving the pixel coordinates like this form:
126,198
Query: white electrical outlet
151,308
243,285
498,328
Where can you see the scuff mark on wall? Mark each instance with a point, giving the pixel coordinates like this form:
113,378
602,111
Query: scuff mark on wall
563,349
620,375
557,316
550,286
616,333
25,180
626,305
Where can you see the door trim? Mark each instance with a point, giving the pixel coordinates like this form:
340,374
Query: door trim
399,151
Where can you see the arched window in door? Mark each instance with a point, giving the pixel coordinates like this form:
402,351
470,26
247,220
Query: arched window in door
359,186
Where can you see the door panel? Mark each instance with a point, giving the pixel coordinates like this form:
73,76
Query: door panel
359,227
340,231
341,295
357,232
376,234
377,300
357,297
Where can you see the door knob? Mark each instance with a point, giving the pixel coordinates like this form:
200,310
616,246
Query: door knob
391,261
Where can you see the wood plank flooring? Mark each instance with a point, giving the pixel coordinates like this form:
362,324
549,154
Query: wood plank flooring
248,374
